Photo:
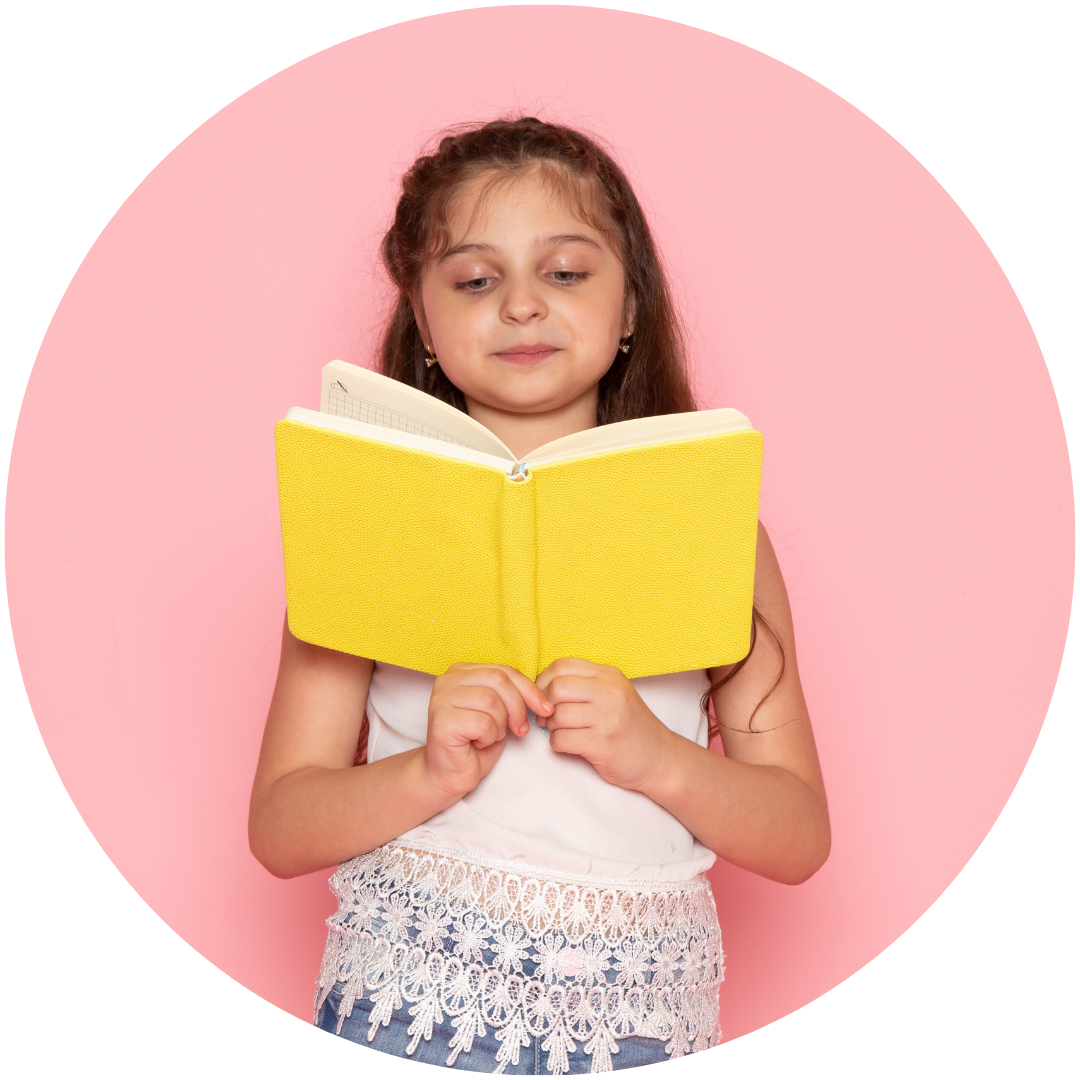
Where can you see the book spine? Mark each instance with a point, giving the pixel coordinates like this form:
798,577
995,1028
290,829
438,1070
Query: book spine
519,624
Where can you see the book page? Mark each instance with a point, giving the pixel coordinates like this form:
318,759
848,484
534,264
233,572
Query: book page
359,394
398,437
645,431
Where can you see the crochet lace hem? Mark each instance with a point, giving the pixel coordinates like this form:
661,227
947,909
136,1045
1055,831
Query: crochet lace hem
564,961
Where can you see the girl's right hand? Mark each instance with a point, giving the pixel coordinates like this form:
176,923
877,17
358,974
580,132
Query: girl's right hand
471,708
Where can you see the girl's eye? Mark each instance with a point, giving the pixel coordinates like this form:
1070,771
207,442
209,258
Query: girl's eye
566,277
478,284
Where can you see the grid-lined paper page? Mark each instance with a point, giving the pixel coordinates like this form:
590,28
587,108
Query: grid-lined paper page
342,403
356,393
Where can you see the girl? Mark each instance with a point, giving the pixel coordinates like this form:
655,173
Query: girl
522,879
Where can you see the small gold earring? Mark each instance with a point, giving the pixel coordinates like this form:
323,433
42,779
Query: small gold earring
431,359
624,346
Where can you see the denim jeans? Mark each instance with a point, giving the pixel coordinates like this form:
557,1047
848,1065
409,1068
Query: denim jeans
633,1050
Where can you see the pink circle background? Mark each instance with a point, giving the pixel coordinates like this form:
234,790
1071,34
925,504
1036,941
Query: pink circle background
916,482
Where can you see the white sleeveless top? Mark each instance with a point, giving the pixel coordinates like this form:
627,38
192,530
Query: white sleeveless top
545,810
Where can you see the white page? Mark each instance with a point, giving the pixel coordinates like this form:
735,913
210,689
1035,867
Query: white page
359,394
645,431
399,437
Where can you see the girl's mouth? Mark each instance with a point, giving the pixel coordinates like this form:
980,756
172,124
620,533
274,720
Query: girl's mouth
526,354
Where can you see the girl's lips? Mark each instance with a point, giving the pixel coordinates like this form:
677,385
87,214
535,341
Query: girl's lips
527,354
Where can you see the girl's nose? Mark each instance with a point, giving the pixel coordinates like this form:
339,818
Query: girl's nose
522,302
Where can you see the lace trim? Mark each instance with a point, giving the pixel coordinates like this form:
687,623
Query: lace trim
562,960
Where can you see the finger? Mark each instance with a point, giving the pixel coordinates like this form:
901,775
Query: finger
533,697
481,698
517,692
478,728
573,714
567,665
571,741
564,688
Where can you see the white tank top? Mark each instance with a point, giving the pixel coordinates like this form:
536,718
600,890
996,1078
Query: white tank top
545,810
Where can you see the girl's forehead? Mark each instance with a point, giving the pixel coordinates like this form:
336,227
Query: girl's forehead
489,197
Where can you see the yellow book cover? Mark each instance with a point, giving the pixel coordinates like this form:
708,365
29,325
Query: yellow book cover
413,536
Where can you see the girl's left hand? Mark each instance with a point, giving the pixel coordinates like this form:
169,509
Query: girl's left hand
600,716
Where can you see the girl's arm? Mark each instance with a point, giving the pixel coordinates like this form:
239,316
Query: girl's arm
762,804
771,814
312,808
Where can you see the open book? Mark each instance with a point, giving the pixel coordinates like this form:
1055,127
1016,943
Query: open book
412,535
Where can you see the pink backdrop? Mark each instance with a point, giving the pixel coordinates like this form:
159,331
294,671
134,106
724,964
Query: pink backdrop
916,481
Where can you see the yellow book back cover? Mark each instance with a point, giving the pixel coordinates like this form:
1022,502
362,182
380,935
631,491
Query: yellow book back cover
645,557
642,558
402,555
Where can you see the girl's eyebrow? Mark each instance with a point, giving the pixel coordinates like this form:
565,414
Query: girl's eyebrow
568,238
539,242
469,249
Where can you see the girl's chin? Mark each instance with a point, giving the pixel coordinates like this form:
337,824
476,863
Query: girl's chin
533,404
524,359
527,391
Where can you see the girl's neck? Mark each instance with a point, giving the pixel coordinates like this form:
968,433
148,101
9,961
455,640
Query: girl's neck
524,432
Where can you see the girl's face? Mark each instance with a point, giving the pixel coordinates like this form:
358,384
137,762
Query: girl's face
526,309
